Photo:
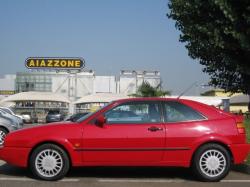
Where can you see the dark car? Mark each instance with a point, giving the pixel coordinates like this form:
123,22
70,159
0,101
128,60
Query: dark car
76,116
54,116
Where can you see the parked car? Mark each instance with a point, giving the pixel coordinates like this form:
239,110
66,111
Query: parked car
29,117
14,119
8,123
76,116
12,115
171,132
54,116
10,111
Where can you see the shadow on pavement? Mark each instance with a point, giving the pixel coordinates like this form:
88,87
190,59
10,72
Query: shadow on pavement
133,172
111,172
13,171
242,168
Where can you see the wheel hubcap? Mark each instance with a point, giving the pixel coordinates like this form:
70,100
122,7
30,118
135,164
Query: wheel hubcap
2,136
212,163
49,163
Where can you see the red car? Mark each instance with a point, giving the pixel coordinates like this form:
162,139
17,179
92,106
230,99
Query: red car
134,132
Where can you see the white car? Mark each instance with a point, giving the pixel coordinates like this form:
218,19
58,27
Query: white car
8,110
8,123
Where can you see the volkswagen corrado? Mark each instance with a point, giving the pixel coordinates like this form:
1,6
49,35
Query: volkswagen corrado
134,132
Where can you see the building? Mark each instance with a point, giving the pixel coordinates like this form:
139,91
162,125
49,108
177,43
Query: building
219,93
93,102
7,85
38,103
75,86
239,103
130,80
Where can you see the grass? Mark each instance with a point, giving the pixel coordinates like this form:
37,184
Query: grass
247,126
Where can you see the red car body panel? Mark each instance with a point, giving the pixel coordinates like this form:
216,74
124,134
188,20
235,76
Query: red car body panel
121,143
88,144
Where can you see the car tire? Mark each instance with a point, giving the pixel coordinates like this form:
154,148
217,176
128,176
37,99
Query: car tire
3,133
211,162
49,162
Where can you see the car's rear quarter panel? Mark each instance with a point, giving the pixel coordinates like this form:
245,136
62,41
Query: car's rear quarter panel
188,136
219,127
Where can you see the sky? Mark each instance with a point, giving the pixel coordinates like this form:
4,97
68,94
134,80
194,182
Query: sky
110,35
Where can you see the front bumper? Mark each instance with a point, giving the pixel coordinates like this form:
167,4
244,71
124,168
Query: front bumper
240,152
15,155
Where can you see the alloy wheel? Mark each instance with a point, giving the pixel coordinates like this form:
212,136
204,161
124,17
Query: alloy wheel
2,136
49,163
212,163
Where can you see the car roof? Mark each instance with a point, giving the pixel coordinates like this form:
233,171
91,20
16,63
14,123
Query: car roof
150,99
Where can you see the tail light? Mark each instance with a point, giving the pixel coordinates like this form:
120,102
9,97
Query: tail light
241,127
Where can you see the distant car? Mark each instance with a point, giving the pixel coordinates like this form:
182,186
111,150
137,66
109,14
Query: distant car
145,132
13,115
76,116
8,123
54,116
10,111
29,117
15,119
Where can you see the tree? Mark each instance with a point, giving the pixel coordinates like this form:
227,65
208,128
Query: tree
217,33
146,90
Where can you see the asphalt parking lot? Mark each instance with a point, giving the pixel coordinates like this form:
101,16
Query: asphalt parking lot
118,176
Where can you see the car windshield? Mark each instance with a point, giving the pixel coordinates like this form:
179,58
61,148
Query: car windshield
5,110
90,114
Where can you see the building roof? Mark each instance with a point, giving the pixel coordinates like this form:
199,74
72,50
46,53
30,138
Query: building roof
2,97
100,98
239,99
209,100
36,96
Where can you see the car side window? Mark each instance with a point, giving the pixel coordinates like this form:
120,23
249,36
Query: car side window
178,112
134,112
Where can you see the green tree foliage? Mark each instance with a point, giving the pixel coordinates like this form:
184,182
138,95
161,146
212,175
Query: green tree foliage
217,33
146,90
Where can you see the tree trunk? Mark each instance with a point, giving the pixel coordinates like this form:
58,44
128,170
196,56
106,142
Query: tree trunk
249,103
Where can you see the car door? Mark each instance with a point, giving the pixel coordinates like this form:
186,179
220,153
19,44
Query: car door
133,134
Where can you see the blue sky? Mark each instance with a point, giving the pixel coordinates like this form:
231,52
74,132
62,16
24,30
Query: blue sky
109,34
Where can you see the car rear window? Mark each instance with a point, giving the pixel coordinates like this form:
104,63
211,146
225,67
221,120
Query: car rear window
178,112
53,112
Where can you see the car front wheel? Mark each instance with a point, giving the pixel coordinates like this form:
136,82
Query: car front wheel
211,162
3,133
49,162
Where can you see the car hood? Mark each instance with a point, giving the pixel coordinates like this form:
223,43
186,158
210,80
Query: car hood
47,132
49,125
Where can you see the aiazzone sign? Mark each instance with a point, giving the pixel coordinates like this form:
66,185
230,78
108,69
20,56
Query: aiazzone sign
55,63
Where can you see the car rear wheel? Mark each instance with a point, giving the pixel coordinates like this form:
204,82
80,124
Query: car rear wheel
3,133
211,162
49,162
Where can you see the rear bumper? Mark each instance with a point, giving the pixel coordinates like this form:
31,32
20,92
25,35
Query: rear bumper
240,152
15,155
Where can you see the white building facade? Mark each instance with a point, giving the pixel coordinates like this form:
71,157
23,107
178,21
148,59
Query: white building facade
77,85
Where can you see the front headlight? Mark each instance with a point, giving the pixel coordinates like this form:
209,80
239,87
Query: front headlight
14,125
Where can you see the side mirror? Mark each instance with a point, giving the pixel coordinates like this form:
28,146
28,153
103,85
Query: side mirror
100,121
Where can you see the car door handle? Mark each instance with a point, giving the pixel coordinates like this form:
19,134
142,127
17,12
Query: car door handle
153,129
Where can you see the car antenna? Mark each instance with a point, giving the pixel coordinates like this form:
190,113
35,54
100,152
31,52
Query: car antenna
195,83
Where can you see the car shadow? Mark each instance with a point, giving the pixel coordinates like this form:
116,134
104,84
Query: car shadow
133,172
112,172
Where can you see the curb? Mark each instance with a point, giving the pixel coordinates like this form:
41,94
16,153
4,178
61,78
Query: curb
243,168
